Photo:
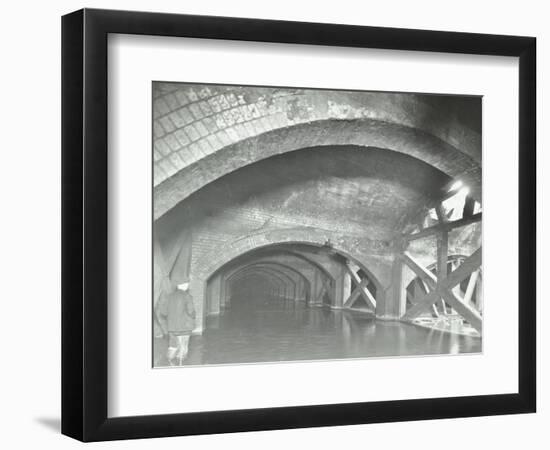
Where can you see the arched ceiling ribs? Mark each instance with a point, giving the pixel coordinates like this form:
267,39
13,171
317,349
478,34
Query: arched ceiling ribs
308,260
188,179
297,278
286,281
212,262
267,264
267,276
268,269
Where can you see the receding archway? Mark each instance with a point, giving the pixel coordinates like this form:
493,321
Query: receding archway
297,279
320,241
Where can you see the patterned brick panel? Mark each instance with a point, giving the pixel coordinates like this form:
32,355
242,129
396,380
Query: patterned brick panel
192,123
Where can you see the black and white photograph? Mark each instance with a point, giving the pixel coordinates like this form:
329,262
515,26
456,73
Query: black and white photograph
275,225
299,224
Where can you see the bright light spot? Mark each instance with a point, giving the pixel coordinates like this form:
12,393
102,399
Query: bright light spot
454,205
456,186
477,207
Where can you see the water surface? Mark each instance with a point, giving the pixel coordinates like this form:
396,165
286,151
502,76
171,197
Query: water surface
275,330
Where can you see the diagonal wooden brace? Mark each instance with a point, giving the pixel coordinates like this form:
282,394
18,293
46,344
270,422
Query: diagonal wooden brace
425,275
422,304
463,271
466,311
356,293
371,301
443,290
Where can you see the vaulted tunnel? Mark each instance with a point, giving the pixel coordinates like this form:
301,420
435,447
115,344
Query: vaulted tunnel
347,211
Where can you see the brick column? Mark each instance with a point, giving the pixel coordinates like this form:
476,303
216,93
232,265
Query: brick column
215,295
340,287
391,303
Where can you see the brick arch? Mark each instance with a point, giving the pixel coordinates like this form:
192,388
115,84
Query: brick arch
211,262
430,263
425,250
340,134
296,254
277,266
274,267
192,121
311,261
263,274
283,278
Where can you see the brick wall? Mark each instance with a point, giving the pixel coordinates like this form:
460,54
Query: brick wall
241,170
193,123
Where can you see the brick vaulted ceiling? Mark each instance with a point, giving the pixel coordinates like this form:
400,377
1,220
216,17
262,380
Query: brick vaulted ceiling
202,134
367,193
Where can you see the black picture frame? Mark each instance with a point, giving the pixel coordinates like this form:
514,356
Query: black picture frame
85,236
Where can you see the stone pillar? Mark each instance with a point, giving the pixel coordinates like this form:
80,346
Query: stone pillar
197,289
223,292
347,285
302,292
313,293
308,283
340,288
391,303
214,297
479,294
317,288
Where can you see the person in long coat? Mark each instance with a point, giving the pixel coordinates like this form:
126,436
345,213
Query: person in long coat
176,315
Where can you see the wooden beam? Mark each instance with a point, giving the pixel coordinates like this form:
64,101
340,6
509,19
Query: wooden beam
422,304
472,282
421,287
445,226
352,298
466,311
371,301
470,264
354,275
368,297
444,285
424,274
454,264
479,292
469,206
442,257
441,213
424,285
355,294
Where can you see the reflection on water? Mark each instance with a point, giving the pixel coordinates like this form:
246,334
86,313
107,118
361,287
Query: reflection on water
272,330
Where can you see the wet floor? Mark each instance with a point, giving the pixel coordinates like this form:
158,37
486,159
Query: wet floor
275,330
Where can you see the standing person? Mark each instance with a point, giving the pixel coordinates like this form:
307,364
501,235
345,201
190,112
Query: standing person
176,314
